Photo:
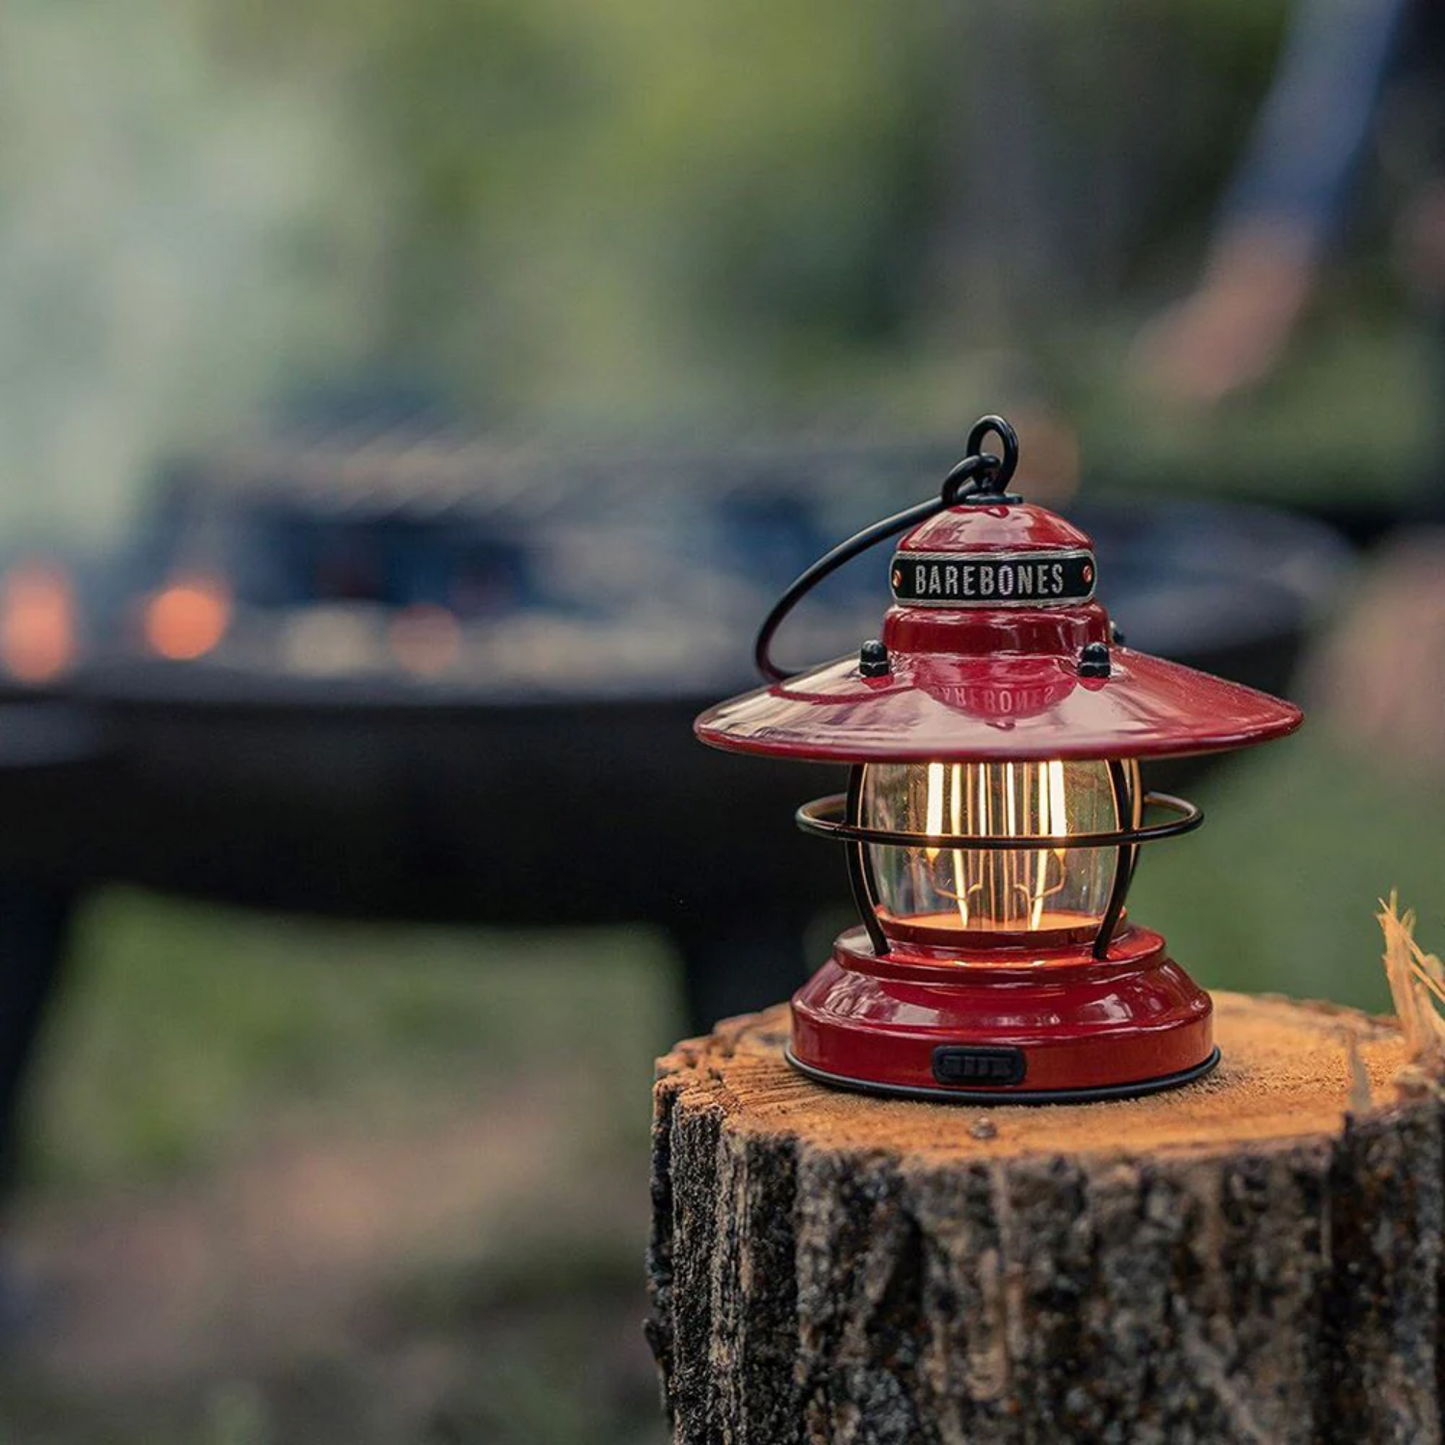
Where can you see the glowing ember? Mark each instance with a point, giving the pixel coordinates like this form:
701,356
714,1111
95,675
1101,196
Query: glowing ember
426,639
37,622
188,618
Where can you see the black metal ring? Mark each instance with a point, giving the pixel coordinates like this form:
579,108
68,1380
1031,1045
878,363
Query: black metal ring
825,818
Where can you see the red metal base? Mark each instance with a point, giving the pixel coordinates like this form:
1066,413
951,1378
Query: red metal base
926,1023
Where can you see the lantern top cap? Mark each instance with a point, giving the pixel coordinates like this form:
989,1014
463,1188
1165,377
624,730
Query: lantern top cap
994,648
1012,527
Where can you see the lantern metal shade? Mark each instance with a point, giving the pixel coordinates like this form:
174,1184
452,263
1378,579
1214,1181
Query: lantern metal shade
942,708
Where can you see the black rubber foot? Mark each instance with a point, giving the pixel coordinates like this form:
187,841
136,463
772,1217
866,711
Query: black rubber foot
1011,1096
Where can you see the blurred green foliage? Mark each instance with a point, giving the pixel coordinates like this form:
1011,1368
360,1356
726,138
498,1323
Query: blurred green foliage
1277,892
613,217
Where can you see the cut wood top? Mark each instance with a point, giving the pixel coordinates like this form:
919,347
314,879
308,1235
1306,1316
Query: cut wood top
1287,1074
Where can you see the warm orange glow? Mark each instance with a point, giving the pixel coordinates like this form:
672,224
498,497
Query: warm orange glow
952,921
188,618
426,639
37,622
1044,813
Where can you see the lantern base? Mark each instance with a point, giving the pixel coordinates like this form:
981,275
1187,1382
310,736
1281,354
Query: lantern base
1016,1096
1003,1028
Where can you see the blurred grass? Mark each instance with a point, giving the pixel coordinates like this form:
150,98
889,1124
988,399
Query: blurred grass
191,1036
186,1030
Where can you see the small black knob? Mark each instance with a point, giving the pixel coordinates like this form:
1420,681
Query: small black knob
873,660
1094,660
1116,633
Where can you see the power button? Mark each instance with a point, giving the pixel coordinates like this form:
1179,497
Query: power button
956,1064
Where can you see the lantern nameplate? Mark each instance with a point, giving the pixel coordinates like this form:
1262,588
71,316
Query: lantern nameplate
1018,579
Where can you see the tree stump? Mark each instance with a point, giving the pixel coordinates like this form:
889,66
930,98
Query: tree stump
1254,1258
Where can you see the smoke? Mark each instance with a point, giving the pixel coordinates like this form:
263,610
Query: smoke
179,239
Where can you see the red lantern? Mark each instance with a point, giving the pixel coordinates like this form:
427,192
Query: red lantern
994,813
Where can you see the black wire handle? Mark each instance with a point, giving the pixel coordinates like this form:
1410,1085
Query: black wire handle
980,478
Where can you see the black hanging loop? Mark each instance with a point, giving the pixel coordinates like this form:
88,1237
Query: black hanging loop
1004,431
981,477
992,488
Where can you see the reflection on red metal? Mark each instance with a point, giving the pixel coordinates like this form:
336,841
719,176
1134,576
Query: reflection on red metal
37,622
994,818
188,618
882,1019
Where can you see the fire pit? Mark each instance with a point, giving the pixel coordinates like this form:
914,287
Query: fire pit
421,677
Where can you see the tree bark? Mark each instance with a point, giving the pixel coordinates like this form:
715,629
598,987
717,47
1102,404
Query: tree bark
1254,1258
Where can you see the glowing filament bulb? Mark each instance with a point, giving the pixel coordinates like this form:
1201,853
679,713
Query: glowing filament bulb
1058,810
960,875
1041,860
933,821
1045,885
